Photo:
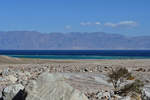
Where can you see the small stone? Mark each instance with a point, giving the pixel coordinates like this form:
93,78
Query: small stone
11,78
20,74
5,72
147,81
141,70
2,79
116,97
99,95
148,70
104,95
105,67
1,72
85,70
27,74
126,98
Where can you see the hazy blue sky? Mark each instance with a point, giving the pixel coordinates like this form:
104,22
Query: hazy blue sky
129,17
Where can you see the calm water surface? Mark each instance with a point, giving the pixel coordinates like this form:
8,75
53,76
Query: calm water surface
78,54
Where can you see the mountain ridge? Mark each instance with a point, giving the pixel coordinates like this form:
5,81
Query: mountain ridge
33,40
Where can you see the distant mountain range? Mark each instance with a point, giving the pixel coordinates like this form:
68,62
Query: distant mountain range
32,40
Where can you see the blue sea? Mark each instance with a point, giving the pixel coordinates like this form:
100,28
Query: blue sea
78,54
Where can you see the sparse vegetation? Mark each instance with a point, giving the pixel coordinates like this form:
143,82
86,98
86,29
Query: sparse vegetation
119,76
132,88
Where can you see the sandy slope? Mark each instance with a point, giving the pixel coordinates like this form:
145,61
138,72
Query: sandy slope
12,60
126,62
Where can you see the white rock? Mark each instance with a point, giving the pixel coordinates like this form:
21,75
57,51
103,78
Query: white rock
11,78
126,98
52,87
5,72
0,95
10,91
27,73
103,94
146,93
20,74
2,79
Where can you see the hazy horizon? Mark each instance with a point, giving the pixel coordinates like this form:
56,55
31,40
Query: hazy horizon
133,35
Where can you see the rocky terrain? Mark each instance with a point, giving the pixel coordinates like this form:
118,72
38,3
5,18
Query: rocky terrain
86,79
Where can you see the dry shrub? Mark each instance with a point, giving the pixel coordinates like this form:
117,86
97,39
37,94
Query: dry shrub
120,75
132,88
117,76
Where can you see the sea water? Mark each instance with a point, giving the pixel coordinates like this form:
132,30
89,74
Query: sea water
78,54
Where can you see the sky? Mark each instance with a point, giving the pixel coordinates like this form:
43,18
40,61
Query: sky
126,17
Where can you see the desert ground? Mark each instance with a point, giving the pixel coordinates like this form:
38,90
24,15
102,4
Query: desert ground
88,76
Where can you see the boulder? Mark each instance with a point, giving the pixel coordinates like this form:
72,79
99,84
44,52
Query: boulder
0,95
52,87
11,91
146,93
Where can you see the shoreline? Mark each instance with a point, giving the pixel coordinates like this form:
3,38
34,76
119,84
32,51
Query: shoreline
6,60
